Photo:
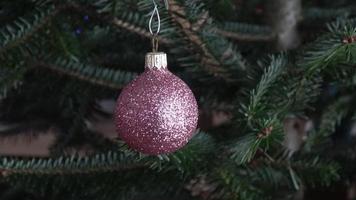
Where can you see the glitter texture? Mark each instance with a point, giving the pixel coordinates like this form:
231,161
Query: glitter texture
156,113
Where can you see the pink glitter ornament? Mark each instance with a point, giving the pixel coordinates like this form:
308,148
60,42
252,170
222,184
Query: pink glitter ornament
157,112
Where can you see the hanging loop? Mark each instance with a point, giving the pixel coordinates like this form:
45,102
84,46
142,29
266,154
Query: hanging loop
153,14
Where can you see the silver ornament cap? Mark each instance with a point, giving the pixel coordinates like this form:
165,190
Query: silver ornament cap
156,60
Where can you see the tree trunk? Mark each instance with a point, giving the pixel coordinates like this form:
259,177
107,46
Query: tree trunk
284,16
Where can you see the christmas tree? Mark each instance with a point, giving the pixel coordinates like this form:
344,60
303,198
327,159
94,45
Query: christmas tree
273,79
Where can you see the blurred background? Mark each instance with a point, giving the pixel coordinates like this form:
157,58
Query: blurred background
274,81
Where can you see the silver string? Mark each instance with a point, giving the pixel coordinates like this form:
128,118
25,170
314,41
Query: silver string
153,14
156,13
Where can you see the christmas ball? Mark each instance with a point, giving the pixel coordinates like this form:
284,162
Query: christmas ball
156,113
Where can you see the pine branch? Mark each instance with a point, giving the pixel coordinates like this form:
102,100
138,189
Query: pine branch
245,32
331,118
330,49
133,22
311,171
267,176
322,56
22,29
316,13
123,159
245,37
258,95
236,186
263,121
111,78
301,92
107,186
124,24
245,148
208,60
260,137
180,17
315,171
262,176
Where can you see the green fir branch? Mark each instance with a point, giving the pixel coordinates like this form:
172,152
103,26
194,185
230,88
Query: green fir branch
215,54
264,177
236,186
122,159
261,136
245,148
111,78
330,49
22,29
131,21
315,171
317,13
258,101
138,184
263,123
331,117
306,170
245,32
